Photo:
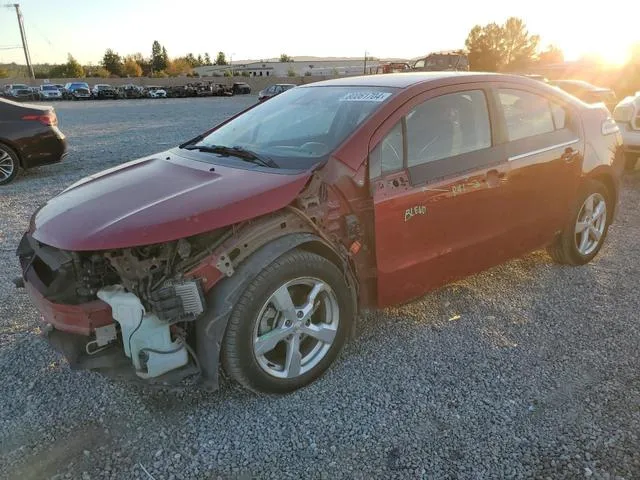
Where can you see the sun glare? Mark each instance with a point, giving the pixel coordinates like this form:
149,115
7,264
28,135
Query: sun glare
613,55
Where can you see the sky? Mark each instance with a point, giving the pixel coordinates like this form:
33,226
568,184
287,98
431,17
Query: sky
251,29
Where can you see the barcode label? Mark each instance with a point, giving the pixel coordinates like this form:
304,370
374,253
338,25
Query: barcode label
365,97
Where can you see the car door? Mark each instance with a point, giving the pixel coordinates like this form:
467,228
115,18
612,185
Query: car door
544,146
438,185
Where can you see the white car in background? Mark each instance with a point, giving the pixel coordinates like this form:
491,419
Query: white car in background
49,92
627,116
156,92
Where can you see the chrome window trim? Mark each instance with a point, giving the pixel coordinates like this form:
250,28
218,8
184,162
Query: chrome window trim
542,150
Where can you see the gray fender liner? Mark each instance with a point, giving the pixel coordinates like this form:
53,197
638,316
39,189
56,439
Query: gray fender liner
211,326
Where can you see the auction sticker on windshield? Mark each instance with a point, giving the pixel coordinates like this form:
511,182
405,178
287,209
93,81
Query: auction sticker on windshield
365,97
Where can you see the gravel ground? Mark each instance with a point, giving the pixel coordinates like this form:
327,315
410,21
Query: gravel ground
529,370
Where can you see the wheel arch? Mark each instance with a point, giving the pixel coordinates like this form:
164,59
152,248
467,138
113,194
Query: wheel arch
211,326
606,178
12,146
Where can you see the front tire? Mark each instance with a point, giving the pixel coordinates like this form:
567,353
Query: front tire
587,228
9,164
289,324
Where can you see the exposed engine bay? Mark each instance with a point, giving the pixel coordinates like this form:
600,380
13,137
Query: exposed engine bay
153,304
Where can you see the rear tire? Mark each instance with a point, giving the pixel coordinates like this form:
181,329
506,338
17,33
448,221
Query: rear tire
9,164
587,227
303,340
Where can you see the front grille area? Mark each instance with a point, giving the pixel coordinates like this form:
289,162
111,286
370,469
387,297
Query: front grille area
63,277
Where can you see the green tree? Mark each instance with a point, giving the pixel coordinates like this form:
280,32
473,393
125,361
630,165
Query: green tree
207,59
191,60
485,47
284,58
73,68
221,59
131,68
158,56
179,66
58,71
520,46
494,47
165,57
112,62
145,63
4,73
551,55
100,72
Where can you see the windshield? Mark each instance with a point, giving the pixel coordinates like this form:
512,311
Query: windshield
302,126
48,87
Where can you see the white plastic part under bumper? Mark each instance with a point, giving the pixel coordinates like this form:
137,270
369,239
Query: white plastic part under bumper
147,339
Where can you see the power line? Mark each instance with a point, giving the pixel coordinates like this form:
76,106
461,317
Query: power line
23,35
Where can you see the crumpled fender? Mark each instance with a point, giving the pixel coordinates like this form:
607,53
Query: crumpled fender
212,324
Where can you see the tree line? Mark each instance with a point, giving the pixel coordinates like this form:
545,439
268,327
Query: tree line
158,65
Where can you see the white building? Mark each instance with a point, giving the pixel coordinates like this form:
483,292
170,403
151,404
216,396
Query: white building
296,68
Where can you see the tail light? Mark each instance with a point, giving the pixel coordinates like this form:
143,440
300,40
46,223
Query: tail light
50,119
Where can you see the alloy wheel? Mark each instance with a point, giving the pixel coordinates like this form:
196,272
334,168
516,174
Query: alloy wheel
296,327
591,224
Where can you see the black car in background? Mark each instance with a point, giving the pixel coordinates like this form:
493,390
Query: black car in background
103,91
77,91
23,95
240,88
274,90
587,92
29,137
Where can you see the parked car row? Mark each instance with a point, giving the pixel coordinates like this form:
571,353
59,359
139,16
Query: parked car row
104,91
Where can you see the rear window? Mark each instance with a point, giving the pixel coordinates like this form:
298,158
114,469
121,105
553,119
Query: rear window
526,114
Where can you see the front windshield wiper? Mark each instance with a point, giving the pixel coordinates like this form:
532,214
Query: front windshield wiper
240,152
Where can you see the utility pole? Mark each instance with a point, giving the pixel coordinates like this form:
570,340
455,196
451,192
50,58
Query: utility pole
364,71
25,46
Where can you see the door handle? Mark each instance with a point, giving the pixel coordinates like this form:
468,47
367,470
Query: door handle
569,154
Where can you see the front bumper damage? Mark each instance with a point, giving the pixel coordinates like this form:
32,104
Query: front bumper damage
112,330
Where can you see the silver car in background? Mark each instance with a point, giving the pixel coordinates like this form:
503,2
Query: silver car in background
627,116
49,92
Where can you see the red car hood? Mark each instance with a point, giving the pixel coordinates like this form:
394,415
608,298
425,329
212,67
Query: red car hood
160,198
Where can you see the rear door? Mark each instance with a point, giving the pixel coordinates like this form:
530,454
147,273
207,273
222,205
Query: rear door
544,148
438,185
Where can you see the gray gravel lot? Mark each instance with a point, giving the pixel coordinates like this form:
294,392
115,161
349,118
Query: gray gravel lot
529,370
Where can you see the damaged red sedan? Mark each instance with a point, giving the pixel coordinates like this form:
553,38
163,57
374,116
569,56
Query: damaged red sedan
253,246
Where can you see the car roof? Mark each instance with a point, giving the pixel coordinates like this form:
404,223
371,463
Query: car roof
580,84
403,80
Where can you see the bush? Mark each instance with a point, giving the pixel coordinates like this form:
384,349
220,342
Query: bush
291,72
160,74
245,74
307,74
227,73
100,72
